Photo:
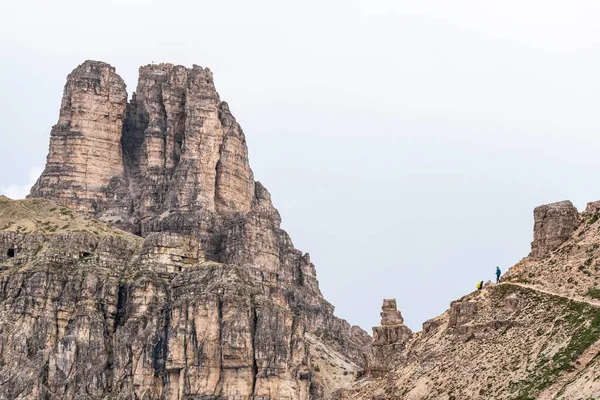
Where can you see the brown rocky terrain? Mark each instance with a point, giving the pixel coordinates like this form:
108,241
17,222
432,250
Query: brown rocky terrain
147,262
536,335
89,311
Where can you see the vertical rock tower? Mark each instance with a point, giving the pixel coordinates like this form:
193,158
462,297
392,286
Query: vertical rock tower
184,150
85,145
174,148
389,338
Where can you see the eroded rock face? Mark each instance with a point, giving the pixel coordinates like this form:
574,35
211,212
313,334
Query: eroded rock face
553,225
83,332
184,149
592,208
85,145
87,311
215,301
175,147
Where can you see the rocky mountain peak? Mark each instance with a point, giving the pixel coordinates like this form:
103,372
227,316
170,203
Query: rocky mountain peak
147,246
175,147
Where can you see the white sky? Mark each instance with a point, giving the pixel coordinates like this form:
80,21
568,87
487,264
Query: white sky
404,142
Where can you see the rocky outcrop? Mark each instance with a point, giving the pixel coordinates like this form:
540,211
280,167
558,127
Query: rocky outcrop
388,339
85,145
392,329
214,301
592,208
528,338
553,224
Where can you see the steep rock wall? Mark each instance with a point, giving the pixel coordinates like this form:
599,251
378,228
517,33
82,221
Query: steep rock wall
85,144
180,178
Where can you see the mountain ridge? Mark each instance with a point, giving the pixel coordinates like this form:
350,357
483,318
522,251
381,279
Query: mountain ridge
536,335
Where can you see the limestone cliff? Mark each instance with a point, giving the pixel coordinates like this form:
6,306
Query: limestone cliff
177,280
85,145
93,312
175,148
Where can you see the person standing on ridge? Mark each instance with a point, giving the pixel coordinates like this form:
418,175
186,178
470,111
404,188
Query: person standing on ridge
498,272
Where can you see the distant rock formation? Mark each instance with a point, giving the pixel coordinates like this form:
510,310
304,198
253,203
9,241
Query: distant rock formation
553,224
388,339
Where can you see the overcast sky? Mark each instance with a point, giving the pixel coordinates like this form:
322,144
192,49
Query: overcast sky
405,143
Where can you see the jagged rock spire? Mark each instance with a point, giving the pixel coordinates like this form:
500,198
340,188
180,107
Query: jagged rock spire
388,338
178,148
392,329
85,145
184,148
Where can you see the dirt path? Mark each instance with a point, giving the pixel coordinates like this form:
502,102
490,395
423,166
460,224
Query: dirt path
580,364
538,289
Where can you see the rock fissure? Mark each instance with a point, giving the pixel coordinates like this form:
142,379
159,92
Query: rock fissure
254,350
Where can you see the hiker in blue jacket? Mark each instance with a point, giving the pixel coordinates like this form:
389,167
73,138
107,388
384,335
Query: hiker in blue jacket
498,274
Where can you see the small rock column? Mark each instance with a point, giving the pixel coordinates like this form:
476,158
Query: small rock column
388,339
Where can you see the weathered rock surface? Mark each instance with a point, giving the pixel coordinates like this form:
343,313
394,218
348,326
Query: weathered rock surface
175,147
535,336
553,224
504,342
85,145
388,339
87,311
184,149
200,295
